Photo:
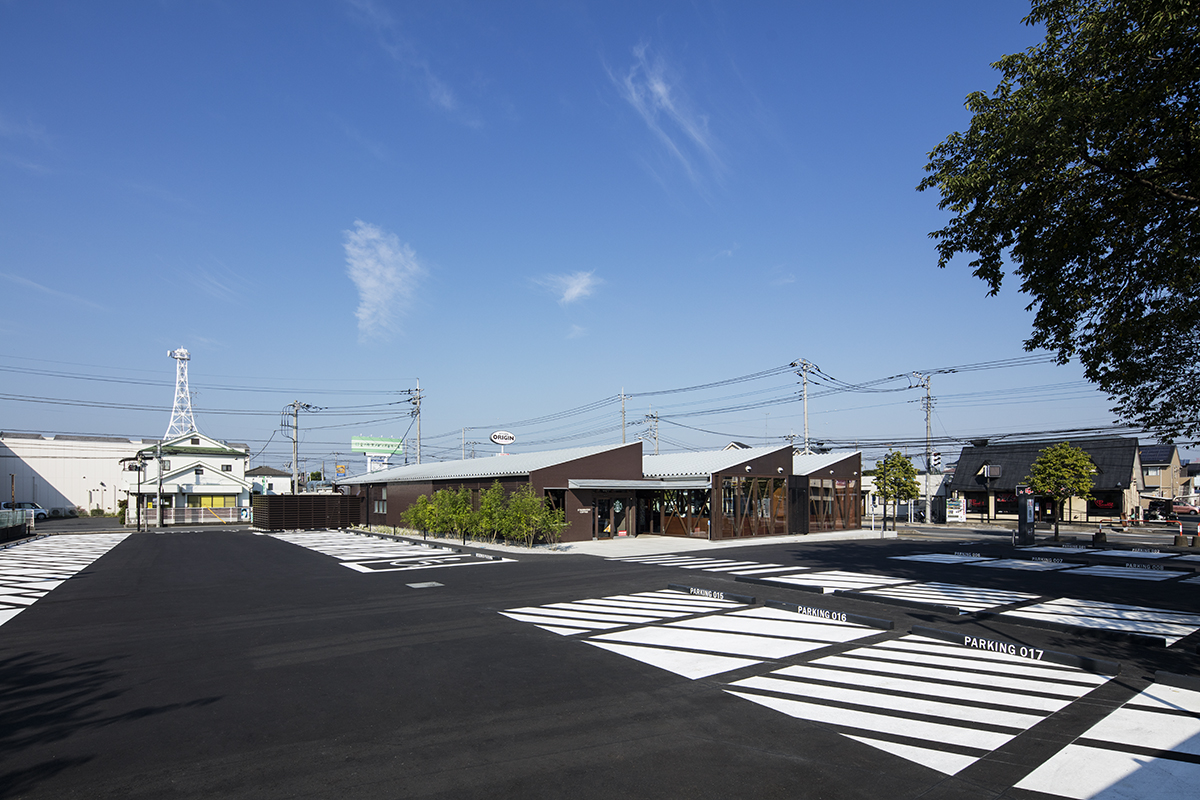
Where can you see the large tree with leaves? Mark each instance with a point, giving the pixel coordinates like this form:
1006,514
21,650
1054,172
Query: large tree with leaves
1081,174
1062,471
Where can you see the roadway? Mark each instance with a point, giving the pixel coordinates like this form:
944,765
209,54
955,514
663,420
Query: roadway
200,663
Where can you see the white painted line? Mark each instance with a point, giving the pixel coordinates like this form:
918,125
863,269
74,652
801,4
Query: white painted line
899,683
766,570
863,697
1107,762
758,647
940,558
1129,573
1017,563
881,723
689,665
806,631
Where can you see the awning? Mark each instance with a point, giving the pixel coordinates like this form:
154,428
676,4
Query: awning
611,485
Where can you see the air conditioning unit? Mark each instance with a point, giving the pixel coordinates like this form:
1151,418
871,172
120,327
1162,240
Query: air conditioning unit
991,471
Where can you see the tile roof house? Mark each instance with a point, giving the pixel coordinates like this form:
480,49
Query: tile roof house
987,475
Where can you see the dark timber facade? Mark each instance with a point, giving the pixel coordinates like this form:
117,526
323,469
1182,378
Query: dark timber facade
615,491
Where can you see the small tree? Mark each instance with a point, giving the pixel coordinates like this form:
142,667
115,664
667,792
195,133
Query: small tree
521,515
489,518
551,521
895,479
417,515
1062,471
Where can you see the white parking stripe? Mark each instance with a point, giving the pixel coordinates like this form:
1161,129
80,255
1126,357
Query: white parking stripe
948,594
1116,758
892,696
30,571
940,558
1171,625
1024,564
707,564
1129,573
834,580
688,664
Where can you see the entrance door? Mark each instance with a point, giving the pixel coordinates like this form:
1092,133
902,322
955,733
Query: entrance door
603,518
622,517
615,516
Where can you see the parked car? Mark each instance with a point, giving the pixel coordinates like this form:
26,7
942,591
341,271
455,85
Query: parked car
38,512
1169,509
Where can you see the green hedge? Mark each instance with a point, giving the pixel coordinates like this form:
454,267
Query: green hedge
520,517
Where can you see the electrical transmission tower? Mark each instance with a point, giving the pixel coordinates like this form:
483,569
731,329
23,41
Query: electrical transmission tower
182,421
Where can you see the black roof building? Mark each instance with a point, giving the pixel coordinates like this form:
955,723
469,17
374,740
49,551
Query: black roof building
1116,461
1157,454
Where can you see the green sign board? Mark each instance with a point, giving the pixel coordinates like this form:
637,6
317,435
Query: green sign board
375,445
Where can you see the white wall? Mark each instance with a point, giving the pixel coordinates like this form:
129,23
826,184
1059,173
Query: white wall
64,473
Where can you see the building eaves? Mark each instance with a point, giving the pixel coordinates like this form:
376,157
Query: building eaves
696,465
506,466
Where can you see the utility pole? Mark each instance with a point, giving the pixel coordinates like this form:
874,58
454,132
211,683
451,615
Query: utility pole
416,401
622,415
295,407
158,497
923,381
464,444
654,423
805,366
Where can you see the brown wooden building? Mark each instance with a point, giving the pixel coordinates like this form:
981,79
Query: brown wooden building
612,491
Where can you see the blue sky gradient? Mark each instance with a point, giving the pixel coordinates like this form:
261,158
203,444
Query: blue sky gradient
530,207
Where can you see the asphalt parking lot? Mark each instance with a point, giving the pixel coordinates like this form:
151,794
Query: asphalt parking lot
228,663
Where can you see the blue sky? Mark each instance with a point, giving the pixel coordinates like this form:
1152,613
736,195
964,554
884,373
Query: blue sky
531,207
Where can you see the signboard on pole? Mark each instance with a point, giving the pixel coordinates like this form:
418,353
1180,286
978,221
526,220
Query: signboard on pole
374,445
339,470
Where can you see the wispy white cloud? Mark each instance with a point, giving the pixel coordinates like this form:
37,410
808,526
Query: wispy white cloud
576,332
10,129
404,52
386,273
218,281
570,288
655,91
37,287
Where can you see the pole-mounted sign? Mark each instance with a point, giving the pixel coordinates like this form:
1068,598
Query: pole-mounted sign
503,438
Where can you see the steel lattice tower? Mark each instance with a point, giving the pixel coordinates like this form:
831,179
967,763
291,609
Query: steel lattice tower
182,422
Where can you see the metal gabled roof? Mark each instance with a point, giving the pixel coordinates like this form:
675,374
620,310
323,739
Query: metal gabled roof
516,464
808,464
696,465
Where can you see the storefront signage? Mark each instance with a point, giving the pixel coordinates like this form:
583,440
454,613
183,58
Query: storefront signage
503,438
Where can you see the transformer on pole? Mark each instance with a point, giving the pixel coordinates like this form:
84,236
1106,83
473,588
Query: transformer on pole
182,421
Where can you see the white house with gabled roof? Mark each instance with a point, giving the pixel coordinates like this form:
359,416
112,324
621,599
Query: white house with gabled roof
192,479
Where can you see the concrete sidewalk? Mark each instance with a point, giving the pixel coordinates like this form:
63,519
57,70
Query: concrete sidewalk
649,545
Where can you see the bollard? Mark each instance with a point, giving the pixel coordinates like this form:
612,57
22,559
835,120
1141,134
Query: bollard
1196,541
1099,537
1180,540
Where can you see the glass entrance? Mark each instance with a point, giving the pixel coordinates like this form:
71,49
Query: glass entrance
615,516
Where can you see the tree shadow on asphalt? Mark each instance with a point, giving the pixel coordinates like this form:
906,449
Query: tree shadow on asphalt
45,698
